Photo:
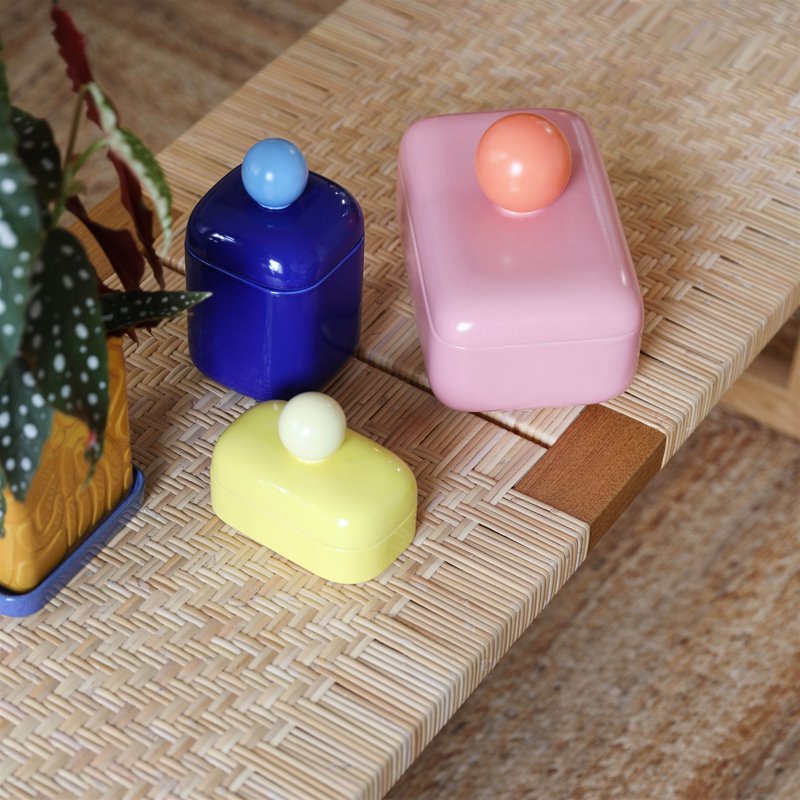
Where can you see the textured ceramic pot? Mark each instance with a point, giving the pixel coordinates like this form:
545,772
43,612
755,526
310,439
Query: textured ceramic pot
60,507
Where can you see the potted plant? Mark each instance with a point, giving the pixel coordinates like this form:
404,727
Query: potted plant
65,456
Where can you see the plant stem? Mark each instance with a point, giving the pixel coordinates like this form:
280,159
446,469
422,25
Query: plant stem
68,177
58,210
73,128
86,154
66,173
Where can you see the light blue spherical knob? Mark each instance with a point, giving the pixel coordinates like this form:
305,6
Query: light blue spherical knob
274,173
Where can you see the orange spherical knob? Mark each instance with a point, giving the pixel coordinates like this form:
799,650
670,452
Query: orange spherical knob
523,162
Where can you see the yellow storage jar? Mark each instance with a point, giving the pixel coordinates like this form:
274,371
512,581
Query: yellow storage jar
344,516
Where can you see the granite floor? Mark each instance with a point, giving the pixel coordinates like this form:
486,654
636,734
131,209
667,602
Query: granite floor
669,666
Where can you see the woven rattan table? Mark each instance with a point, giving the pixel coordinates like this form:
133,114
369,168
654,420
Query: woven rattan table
188,662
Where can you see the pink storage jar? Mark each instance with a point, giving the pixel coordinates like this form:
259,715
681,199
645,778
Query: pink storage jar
516,310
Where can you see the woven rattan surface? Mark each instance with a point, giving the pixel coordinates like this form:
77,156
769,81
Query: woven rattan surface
694,106
188,662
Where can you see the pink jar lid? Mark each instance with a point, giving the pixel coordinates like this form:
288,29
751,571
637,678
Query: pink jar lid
492,278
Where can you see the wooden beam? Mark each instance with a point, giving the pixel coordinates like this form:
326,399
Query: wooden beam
596,468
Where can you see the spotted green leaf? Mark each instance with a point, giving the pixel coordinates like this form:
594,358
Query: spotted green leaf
21,233
129,149
25,420
38,151
66,341
124,310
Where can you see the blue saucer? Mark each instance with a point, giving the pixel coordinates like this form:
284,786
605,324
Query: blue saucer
21,605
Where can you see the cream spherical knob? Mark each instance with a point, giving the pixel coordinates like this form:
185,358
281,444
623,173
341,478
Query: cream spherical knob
312,426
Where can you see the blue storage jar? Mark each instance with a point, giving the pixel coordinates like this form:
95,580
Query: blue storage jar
285,309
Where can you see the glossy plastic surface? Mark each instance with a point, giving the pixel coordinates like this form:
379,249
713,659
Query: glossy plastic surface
274,173
288,250
285,310
344,518
515,311
312,426
523,162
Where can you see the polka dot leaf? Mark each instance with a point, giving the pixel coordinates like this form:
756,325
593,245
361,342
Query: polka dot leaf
125,310
65,340
38,151
25,420
21,233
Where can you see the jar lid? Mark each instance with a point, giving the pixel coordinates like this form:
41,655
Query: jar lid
288,249
491,277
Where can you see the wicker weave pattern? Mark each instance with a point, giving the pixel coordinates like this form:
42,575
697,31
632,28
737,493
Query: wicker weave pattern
692,104
187,659
187,662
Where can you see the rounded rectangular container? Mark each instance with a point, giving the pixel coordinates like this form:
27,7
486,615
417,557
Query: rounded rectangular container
285,309
344,518
515,310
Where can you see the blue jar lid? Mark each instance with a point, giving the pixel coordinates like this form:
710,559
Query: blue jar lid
289,249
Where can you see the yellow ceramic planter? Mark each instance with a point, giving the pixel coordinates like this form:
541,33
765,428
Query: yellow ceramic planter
60,508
